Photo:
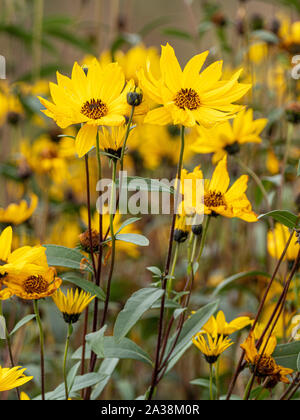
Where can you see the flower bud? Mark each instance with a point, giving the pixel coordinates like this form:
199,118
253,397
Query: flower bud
135,97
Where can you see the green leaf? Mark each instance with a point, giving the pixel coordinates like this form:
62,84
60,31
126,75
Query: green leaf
266,36
68,37
204,383
133,238
155,270
284,217
128,222
2,328
72,375
80,382
135,307
60,256
298,362
191,327
20,324
298,170
86,285
232,279
134,183
287,355
177,33
107,367
109,348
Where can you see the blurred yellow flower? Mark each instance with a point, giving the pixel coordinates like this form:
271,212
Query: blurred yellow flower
189,97
272,163
277,241
258,52
17,214
227,137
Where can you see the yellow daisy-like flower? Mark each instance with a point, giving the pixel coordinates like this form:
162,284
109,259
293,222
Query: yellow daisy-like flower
24,396
277,241
219,326
72,304
211,346
226,138
265,364
188,97
11,378
26,260
17,214
231,202
112,139
31,287
95,99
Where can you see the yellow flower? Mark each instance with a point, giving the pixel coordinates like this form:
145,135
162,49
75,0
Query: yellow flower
17,214
158,144
258,52
211,346
289,34
26,260
218,326
277,241
24,396
11,378
187,97
182,228
72,304
265,364
232,202
227,137
94,100
112,139
31,287
272,163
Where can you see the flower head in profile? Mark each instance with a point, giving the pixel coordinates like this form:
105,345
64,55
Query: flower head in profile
227,138
112,139
277,240
93,99
11,378
72,304
17,214
211,346
218,325
231,202
264,364
188,97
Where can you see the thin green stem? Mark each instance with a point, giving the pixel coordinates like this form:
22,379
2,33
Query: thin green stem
113,240
248,387
40,326
126,137
218,378
203,239
70,330
175,258
37,37
211,393
256,179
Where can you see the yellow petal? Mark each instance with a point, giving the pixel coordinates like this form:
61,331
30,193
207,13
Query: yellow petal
86,139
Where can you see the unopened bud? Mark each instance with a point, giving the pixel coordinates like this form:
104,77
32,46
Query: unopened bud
135,97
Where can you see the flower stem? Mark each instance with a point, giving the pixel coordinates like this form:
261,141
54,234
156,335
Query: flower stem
203,238
70,330
39,322
166,273
113,240
211,393
175,258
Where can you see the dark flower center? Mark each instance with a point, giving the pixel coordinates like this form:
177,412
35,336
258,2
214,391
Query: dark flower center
94,109
35,284
187,98
214,199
